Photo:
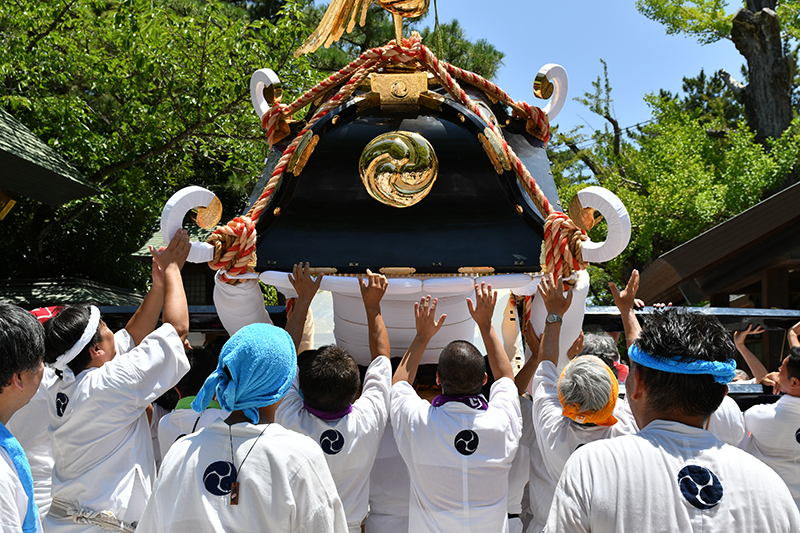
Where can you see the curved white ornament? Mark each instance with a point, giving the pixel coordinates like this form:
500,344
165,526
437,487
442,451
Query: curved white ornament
260,80
617,218
172,219
557,75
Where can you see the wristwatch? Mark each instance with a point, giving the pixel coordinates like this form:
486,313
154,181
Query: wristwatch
552,318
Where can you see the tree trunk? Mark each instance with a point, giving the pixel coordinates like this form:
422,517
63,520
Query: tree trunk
767,98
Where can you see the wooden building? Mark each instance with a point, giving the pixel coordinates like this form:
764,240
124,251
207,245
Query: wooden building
750,260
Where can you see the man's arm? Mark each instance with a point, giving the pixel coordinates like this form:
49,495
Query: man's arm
756,367
792,336
427,327
306,287
552,294
482,312
525,374
145,319
625,301
170,261
371,292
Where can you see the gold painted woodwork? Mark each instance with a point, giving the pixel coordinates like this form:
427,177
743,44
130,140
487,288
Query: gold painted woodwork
208,217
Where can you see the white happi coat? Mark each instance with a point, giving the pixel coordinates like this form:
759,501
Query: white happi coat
389,489
540,485
29,426
458,458
284,484
182,422
101,437
350,443
520,468
774,437
670,477
13,500
559,436
727,422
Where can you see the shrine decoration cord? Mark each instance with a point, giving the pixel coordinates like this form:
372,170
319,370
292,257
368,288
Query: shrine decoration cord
235,242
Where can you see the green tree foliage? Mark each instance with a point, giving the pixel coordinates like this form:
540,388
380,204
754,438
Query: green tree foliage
710,99
704,19
450,43
760,30
675,179
143,97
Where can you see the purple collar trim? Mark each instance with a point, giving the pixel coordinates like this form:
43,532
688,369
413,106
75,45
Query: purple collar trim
475,401
325,415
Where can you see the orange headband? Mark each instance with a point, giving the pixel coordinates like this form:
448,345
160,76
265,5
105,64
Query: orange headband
603,417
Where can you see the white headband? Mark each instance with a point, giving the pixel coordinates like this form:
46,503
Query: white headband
91,328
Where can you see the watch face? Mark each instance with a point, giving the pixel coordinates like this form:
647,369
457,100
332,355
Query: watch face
552,318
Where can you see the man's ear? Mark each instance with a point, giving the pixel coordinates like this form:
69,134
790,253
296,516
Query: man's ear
438,381
638,383
16,381
96,351
485,378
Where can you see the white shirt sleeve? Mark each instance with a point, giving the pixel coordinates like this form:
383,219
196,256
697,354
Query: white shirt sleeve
504,394
123,341
727,422
549,420
376,391
569,512
760,421
291,404
151,368
13,500
406,408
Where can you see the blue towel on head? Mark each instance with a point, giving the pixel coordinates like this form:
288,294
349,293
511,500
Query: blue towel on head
256,368
17,455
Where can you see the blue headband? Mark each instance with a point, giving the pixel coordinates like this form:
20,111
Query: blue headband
723,372
256,367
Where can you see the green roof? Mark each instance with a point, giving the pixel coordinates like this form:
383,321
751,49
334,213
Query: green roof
33,169
31,294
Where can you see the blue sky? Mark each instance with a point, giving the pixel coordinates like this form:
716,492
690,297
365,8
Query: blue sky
576,34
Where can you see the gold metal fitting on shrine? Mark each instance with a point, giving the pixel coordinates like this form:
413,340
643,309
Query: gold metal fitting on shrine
542,87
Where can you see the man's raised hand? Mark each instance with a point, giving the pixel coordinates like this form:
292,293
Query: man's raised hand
372,289
303,282
626,298
483,309
425,314
552,293
176,251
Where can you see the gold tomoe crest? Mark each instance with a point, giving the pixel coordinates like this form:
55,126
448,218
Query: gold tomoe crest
398,168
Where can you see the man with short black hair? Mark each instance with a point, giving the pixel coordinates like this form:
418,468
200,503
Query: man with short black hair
21,368
102,442
458,448
329,378
673,474
774,429
322,404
